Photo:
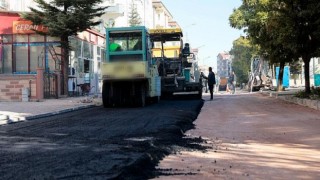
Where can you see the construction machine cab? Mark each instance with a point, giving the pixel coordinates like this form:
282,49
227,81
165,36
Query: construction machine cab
127,44
174,61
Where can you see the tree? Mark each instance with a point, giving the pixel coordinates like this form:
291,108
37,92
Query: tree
65,18
243,51
301,29
285,29
259,19
134,17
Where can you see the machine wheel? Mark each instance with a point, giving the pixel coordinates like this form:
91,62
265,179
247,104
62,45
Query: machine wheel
106,95
141,96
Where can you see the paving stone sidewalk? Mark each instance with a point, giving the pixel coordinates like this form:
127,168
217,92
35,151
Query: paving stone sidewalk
11,112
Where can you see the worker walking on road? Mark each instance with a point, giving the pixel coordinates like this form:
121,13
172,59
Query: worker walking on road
217,84
211,81
232,83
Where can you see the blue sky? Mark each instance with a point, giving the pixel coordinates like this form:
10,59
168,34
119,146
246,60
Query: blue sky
211,30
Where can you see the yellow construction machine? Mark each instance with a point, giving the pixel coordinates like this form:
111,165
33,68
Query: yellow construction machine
175,63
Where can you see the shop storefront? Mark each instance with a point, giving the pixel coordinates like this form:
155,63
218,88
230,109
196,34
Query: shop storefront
23,52
85,59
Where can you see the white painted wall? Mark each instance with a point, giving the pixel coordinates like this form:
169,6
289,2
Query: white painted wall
149,17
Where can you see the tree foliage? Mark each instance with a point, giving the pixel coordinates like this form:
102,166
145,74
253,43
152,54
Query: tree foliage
301,29
284,29
65,18
243,51
134,17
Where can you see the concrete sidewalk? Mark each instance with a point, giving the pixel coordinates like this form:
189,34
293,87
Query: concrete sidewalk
11,112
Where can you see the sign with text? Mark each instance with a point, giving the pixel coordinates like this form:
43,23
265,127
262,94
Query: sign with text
27,27
165,31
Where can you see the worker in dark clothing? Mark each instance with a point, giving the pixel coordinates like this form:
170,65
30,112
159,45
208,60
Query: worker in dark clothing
186,50
211,81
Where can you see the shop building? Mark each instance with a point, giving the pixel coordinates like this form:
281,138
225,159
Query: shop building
31,63
86,56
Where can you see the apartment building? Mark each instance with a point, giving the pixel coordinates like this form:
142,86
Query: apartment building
224,64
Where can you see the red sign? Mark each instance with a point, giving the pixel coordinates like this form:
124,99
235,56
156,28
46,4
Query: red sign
27,27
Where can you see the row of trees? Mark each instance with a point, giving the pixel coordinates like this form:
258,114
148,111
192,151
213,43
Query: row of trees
282,30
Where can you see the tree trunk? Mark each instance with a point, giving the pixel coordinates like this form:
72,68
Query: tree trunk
306,60
280,77
65,63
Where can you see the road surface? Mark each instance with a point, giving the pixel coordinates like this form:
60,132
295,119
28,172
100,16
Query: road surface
250,136
96,143
243,136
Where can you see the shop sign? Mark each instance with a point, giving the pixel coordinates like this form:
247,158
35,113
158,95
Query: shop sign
27,27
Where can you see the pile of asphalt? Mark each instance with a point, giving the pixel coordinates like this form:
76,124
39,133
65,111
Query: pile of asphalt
166,141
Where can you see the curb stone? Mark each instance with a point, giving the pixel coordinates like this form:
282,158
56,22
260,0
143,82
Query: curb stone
57,112
314,104
3,117
6,119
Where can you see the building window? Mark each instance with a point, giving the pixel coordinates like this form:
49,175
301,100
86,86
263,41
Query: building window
20,38
86,66
23,53
52,58
6,60
21,58
98,51
7,38
80,65
53,39
36,38
87,50
35,57
103,55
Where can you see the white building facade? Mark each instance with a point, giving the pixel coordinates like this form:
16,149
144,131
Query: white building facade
117,15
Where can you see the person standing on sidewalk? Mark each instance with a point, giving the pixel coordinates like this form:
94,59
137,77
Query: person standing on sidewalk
211,81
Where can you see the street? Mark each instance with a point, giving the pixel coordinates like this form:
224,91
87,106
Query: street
251,137
95,143
242,136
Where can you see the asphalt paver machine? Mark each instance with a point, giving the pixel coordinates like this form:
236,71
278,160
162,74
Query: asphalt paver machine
175,63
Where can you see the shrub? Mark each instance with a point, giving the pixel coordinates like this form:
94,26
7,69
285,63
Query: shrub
315,94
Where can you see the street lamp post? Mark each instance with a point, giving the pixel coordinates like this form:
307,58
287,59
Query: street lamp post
185,28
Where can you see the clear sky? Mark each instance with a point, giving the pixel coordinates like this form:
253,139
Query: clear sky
206,25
